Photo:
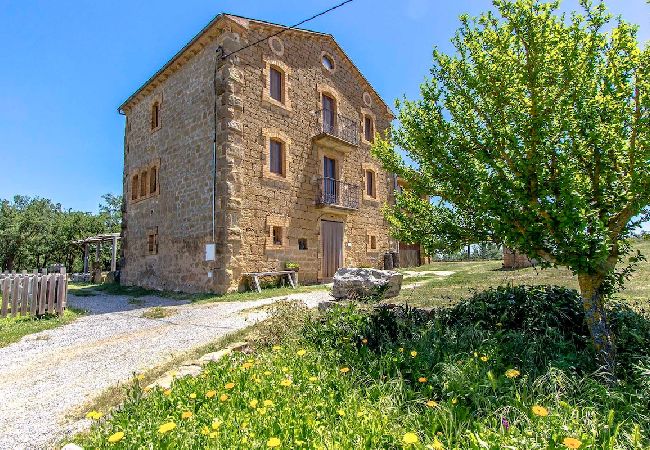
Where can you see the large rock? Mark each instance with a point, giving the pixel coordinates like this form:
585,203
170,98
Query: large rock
356,283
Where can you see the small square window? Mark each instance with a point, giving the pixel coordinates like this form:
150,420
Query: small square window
302,244
277,235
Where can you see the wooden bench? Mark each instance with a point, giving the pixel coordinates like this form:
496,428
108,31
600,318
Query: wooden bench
255,277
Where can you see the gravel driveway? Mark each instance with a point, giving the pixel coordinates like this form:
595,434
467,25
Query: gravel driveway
46,375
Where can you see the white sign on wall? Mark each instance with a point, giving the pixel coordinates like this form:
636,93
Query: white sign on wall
210,252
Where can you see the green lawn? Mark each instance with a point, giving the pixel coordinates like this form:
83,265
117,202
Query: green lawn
476,276
12,329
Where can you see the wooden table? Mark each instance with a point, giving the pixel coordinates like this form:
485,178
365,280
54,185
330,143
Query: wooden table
255,277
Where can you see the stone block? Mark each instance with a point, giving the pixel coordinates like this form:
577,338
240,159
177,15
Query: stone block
354,283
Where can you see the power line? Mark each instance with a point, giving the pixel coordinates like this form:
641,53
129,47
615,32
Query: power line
288,28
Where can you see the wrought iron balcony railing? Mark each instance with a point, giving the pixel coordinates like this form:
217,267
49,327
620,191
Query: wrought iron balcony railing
332,192
338,126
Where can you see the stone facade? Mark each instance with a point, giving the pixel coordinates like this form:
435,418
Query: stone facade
227,194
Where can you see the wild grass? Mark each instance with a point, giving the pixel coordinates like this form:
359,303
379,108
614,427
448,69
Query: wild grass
391,378
12,329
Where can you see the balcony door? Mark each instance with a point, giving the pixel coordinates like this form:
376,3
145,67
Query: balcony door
329,117
332,238
330,190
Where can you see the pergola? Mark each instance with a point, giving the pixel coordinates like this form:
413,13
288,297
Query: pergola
97,240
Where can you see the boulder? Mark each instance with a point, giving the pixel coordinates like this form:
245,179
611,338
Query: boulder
357,283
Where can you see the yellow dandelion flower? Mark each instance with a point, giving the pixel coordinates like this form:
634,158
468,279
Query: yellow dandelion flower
229,385
193,395
186,414
146,388
344,369
414,354
205,430
116,437
454,401
422,379
286,382
273,442
475,355
301,352
253,403
410,438
216,423
139,377
166,427
285,369
401,349
540,411
341,412
277,347
432,404
261,411
268,402
312,379
437,445
224,397
267,372
572,442
512,373
247,365
214,435
94,415
484,358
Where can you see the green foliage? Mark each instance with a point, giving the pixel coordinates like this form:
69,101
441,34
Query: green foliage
35,233
364,378
537,128
12,329
291,265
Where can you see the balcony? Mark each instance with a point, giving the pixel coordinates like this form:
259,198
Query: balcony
337,195
336,132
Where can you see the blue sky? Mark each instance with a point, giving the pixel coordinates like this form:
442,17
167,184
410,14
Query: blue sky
67,65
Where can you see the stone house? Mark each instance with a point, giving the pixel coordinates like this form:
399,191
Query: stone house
241,162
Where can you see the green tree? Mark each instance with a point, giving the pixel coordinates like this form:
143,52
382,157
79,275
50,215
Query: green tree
538,126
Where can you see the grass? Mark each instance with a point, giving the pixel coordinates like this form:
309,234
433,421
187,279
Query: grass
359,379
158,312
477,276
12,329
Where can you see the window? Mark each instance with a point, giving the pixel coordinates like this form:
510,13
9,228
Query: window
368,129
153,180
327,61
275,84
372,242
155,115
143,184
302,244
277,235
135,185
370,184
276,152
152,241
329,114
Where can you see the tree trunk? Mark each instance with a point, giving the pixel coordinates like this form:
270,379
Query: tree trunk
596,318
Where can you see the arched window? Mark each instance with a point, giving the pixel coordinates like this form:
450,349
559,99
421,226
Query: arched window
276,85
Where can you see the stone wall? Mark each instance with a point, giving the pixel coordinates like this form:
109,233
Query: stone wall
248,200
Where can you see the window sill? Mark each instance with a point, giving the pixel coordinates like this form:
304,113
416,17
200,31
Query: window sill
153,130
271,101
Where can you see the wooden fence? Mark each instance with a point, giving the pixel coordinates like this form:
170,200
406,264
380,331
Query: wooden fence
33,294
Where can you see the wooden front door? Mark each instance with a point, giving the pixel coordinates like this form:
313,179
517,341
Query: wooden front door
332,238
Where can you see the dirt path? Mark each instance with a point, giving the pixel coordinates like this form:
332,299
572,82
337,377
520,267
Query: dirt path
46,375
